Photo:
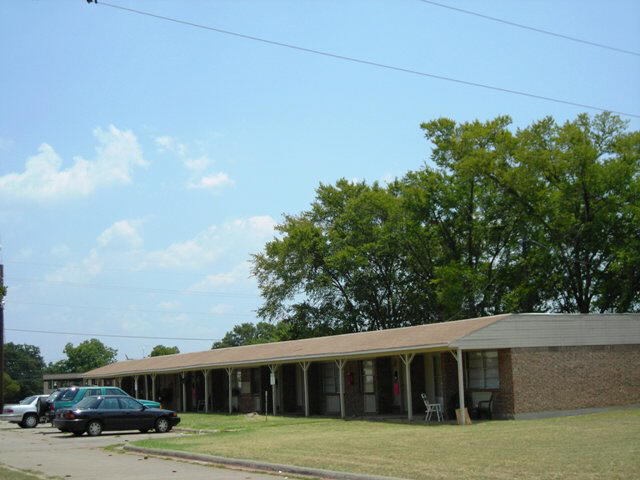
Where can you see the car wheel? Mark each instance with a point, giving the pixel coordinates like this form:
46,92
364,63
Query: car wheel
94,428
30,421
162,425
22,425
144,430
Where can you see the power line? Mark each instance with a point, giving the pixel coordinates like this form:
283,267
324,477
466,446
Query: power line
368,62
533,29
105,269
129,310
110,335
133,288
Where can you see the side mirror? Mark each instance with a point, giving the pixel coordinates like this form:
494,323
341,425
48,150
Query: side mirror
144,407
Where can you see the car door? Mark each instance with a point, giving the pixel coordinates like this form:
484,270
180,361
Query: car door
112,415
133,414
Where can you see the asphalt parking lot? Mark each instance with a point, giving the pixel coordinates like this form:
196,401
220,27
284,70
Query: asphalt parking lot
45,449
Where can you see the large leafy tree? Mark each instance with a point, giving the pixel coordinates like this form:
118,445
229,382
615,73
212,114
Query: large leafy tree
342,266
577,185
537,219
160,350
24,364
86,356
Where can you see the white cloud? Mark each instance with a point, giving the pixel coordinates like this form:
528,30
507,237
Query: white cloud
122,233
166,143
216,180
241,273
240,235
44,177
195,164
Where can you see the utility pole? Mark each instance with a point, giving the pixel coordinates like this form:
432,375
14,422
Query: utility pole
1,336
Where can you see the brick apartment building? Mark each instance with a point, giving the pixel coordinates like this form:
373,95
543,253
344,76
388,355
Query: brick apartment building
529,364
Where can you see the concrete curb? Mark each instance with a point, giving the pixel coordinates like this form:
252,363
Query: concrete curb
258,465
194,430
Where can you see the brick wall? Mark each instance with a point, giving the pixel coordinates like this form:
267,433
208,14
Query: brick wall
566,378
503,406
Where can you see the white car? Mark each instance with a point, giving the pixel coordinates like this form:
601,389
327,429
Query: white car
26,413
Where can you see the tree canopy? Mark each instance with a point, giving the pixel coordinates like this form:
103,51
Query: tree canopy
160,350
86,356
24,364
11,389
247,334
544,218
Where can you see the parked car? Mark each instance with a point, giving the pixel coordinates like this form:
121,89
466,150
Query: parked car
113,412
70,396
28,413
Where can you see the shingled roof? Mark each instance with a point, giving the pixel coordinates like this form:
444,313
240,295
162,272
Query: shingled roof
380,342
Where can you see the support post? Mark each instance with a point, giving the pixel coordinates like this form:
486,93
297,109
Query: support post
407,359
146,387
230,374
183,379
340,364
153,387
206,390
135,385
461,387
305,374
273,369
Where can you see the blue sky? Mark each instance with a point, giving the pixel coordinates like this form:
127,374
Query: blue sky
142,162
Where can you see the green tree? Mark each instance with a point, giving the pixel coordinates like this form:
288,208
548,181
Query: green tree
11,389
342,265
537,219
24,364
468,236
247,334
160,350
86,356
577,185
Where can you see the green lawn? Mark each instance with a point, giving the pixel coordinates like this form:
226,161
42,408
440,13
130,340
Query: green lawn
605,445
11,474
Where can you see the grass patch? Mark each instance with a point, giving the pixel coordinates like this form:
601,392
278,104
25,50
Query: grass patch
8,473
597,446
226,422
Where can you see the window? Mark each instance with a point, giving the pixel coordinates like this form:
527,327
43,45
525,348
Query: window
129,404
110,404
93,392
245,380
88,403
69,395
367,376
115,391
482,369
330,378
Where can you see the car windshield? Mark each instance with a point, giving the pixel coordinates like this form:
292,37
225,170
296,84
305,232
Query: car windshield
68,395
28,400
88,403
53,396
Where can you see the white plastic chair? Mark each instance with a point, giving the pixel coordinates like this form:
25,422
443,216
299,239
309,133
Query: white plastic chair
431,408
